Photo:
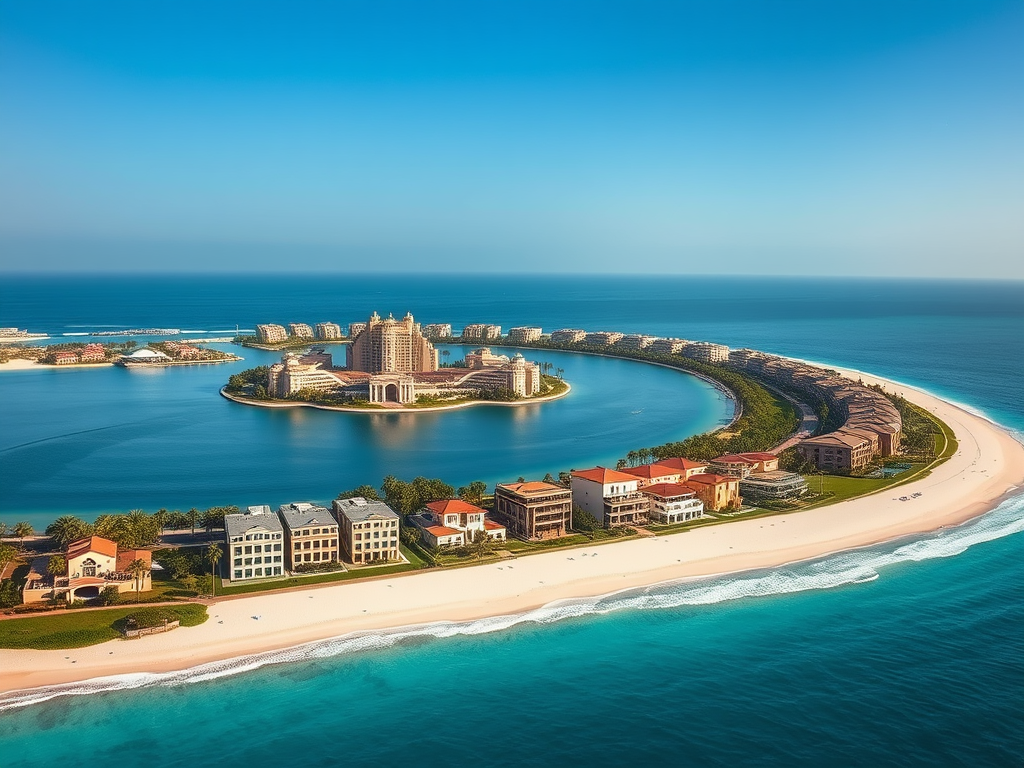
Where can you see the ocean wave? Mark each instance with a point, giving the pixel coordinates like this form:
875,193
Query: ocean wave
837,570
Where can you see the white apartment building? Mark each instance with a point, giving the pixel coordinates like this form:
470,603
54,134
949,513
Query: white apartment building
611,496
481,331
254,544
673,503
269,333
326,331
438,330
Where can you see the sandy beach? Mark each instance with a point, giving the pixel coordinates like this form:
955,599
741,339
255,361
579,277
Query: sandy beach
988,465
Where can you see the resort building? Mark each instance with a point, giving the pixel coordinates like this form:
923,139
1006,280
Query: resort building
481,332
454,522
391,346
354,329
602,338
438,330
716,491
93,353
524,334
636,341
93,565
271,334
534,510
839,451
369,530
300,330
484,358
744,464
652,474
706,352
254,544
65,358
307,372
772,485
610,496
310,534
328,331
687,468
673,503
568,336
669,346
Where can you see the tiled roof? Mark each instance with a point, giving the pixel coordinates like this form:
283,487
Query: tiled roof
451,506
603,476
440,530
652,471
490,525
92,544
534,486
668,490
710,479
677,463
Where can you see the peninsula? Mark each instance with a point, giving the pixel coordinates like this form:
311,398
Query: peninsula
988,464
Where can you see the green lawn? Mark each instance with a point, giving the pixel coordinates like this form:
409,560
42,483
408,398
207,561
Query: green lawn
77,629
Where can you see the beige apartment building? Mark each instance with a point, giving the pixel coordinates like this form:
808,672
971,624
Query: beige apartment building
269,333
300,330
392,346
255,544
310,534
327,331
481,332
369,530
524,334
568,336
534,510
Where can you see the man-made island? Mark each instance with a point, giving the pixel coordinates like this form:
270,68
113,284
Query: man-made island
391,364
80,354
937,465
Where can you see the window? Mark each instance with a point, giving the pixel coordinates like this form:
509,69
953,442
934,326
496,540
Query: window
248,561
316,555
238,550
238,561
259,571
238,574
277,547
359,546
248,573
307,545
316,531
277,558
248,550
316,544
359,536
258,548
298,545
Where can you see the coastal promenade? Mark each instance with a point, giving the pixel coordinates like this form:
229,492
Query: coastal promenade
988,465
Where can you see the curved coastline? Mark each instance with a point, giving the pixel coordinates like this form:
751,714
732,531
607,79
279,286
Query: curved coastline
425,409
988,466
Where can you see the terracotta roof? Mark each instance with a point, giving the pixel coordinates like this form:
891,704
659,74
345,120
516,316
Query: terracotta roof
451,506
677,463
735,458
92,544
440,530
758,456
652,471
668,490
534,486
602,475
710,479
490,525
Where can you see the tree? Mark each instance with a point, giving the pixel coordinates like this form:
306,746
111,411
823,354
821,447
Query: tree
162,516
66,529
584,521
57,565
189,582
193,518
213,554
10,595
474,492
214,517
176,521
7,554
138,569
367,492
4,529
21,530
110,596
559,372
549,479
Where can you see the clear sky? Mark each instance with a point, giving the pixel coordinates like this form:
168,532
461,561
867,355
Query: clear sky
723,136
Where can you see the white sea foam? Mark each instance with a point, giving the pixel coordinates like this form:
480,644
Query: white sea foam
841,569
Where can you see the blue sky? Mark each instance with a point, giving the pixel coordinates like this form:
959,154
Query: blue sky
828,137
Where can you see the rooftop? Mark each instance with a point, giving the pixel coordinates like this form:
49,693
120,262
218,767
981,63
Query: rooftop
668,490
604,476
358,509
239,525
531,488
451,506
678,463
92,544
301,514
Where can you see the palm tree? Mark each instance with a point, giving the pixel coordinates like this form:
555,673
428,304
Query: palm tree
213,554
66,529
193,518
21,530
161,516
4,530
559,372
138,569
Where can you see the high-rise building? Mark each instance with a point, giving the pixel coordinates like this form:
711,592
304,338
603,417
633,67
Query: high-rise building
568,336
481,332
392,346
300,330
354,329
270,333
438,331
326,331
524,334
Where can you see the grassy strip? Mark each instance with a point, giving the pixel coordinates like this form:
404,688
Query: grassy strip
78,629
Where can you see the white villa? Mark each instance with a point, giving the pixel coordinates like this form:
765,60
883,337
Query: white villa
673,502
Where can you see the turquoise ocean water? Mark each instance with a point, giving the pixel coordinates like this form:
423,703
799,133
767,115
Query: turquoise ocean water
911,653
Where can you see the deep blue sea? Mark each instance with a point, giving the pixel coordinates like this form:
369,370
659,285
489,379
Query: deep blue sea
911,653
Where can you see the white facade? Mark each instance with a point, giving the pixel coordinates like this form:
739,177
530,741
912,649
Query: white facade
590,488
524,334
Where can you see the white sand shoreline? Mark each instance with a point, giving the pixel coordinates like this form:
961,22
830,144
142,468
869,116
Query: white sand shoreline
989,464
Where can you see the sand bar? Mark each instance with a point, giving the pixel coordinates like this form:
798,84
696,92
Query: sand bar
988,465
